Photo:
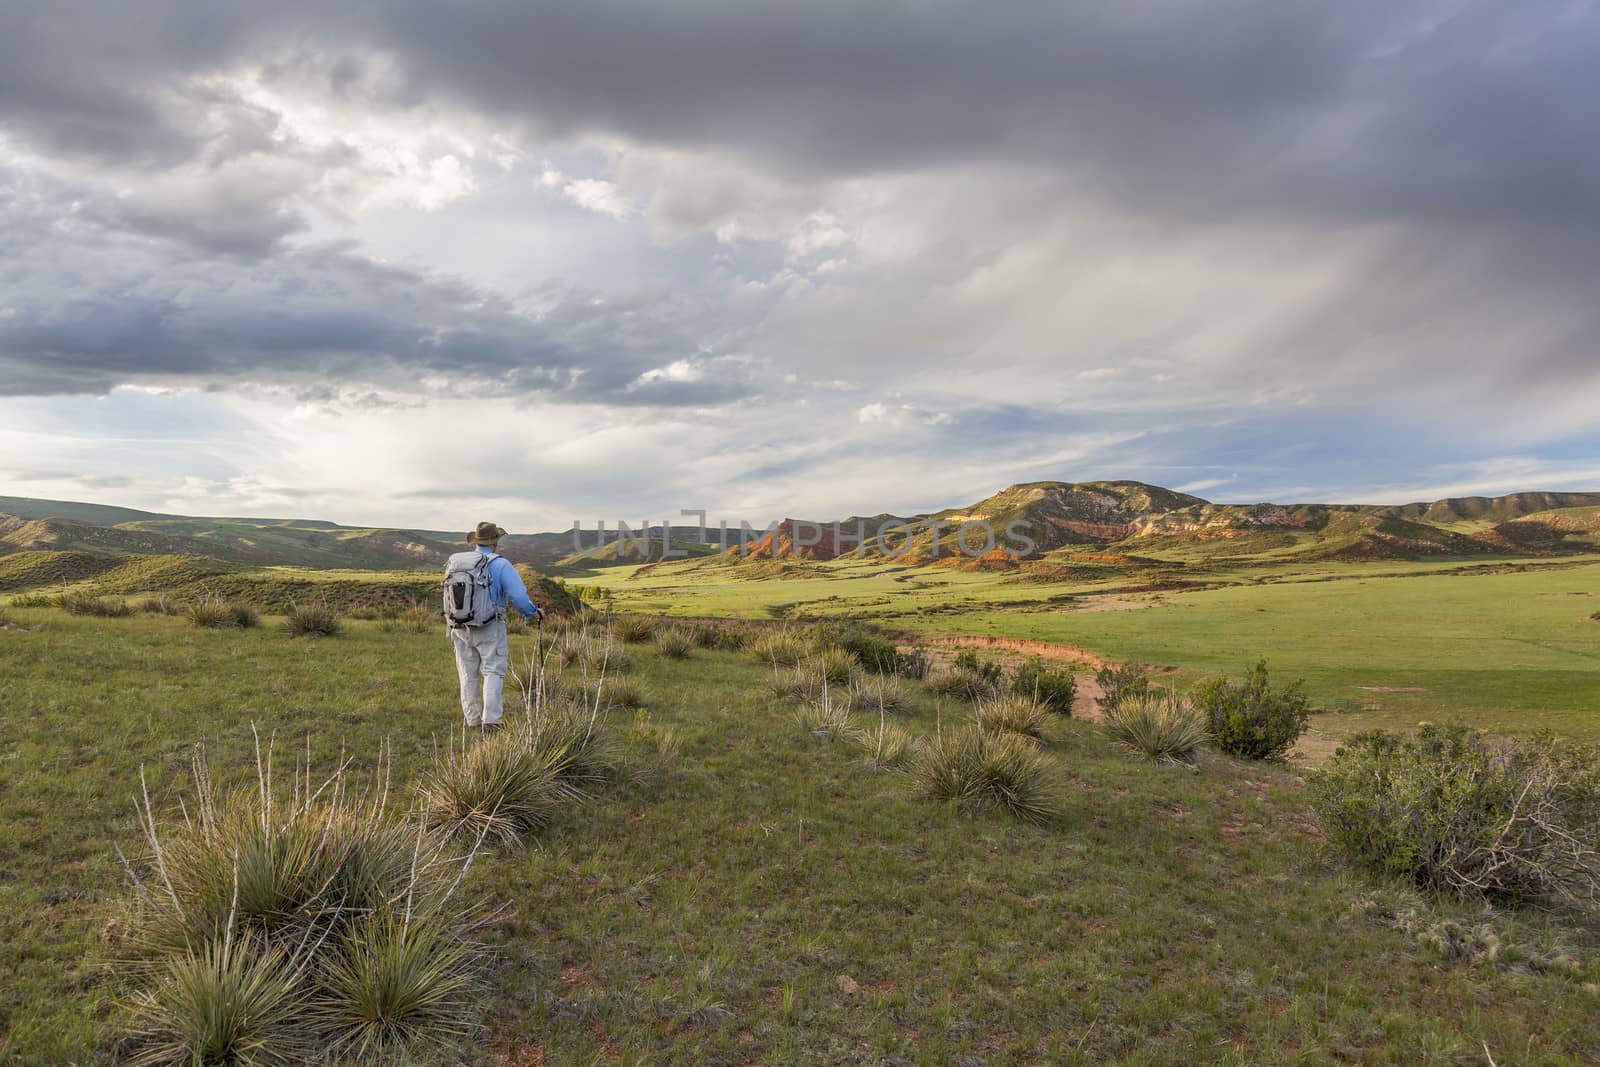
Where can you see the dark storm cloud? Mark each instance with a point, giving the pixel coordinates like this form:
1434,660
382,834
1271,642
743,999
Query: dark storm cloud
1467,125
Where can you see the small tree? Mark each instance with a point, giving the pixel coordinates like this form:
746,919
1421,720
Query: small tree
1115,683
1053,689
1249,718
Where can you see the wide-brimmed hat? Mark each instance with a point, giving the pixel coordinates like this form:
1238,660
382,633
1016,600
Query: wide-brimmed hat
487,533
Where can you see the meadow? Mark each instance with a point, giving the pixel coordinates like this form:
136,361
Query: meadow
1506,647
769,896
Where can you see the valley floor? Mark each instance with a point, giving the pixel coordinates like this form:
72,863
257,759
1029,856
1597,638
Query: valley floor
769,898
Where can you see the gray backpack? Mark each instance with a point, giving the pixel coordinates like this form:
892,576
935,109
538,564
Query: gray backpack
466,590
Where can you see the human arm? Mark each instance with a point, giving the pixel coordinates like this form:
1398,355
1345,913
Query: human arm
514,592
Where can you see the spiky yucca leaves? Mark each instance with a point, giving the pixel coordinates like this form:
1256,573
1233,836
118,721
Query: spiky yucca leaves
312,620
1020,715
576,734
887,744
781,647
616,693
254,900
880,693
1158,724
283,867
836,665
394,981
634,629
963,684
978,770
97,606
674,642
500,788
230,1000
215,613
827,715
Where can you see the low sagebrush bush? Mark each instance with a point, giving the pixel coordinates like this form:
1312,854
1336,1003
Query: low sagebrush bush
1124,680
880,693
96,606
634,629
1249,718
500,788
214,613
978,770
1022,716
1158,724
312,620
1450,808
674,642
781,647
1053,689
874,651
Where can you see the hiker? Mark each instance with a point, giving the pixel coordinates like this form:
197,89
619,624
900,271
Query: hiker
479,584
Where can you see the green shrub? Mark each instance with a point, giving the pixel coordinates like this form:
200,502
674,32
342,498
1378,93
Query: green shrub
312,620
1158,724
1019,715
1116,682
96,606
836,666
1249,718
634,629
874,651
674,642
735,637
978,770
33,600
1053,689
967,660
916,663
1451,809
515,623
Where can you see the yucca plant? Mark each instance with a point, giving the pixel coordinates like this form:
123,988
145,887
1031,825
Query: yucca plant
781,648
887,744
978,770
963,683
577,736
230,1000
500,788
397,980
674,642
827,716
99,607
835,665
1022,716
633,629
1158,724
880,692
312,620
215,613
613,693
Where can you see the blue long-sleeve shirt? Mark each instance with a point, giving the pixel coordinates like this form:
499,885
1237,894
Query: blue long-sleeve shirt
505,585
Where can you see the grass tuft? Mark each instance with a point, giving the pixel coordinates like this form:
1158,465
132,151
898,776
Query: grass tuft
499,788
215,613
674,642
1021,716
96,606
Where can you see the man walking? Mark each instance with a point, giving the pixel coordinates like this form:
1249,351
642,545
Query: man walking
478,586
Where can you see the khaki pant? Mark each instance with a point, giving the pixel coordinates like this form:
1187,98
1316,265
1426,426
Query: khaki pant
481,659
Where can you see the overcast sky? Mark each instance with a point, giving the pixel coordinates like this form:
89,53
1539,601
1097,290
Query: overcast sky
422,263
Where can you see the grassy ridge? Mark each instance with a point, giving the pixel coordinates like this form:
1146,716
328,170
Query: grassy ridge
772,899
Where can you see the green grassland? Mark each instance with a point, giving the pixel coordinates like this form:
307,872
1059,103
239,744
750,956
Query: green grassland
768,897
1506,646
